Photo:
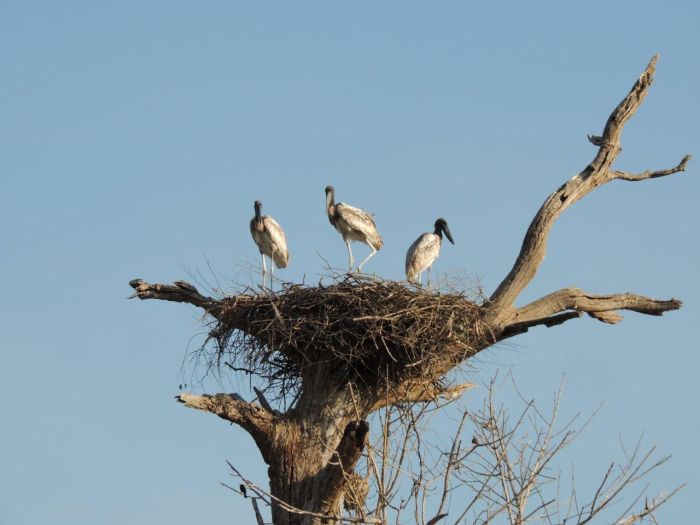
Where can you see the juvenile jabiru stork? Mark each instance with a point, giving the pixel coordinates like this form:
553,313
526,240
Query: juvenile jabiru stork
353,224
423,252
271,241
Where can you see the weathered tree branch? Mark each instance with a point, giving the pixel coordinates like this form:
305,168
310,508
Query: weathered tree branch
417,391
264,402
648,174
256,510
649,508
257,421
179,292
523,326
598,172
570,303
609,146
184,292
539,312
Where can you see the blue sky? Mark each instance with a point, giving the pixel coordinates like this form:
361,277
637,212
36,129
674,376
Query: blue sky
135,136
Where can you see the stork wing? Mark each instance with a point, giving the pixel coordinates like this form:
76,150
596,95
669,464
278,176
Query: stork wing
422,254
252,227
279,241
360,221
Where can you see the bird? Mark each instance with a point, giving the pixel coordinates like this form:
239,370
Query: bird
353,224
423,252
271,241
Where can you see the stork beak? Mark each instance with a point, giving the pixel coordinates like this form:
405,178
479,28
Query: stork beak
447,233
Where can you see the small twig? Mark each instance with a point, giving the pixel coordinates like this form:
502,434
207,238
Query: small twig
648,174
264,403
256,509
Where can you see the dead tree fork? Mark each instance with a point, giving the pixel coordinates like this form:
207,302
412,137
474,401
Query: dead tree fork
344,351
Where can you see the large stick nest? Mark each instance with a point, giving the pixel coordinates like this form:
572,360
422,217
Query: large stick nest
353,328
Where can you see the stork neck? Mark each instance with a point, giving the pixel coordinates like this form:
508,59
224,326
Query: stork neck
330,203
438,231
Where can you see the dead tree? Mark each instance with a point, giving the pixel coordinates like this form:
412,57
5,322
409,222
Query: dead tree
343,351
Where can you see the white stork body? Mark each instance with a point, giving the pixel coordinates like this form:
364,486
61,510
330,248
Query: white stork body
422,253
353,224
271,241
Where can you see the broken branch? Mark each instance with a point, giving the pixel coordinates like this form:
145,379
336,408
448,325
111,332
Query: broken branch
264,402
601,307
648,174
524,326
417,391
258,422
179,292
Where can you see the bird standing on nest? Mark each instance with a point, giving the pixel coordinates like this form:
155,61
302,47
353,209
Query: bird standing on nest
271,241
423,252
353,224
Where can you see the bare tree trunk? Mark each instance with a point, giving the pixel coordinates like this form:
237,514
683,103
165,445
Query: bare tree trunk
315,449
310,450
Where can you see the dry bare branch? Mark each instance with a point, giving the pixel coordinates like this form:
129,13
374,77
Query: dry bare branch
594,175
417,391
573,301
258,422
264,402
648,174
649,508
256,510
179,292
508,470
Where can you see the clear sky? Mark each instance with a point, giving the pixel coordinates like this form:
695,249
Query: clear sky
135,136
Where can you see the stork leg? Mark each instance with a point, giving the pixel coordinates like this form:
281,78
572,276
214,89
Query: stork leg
272,270
428,283
359,268
264,269
351,258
